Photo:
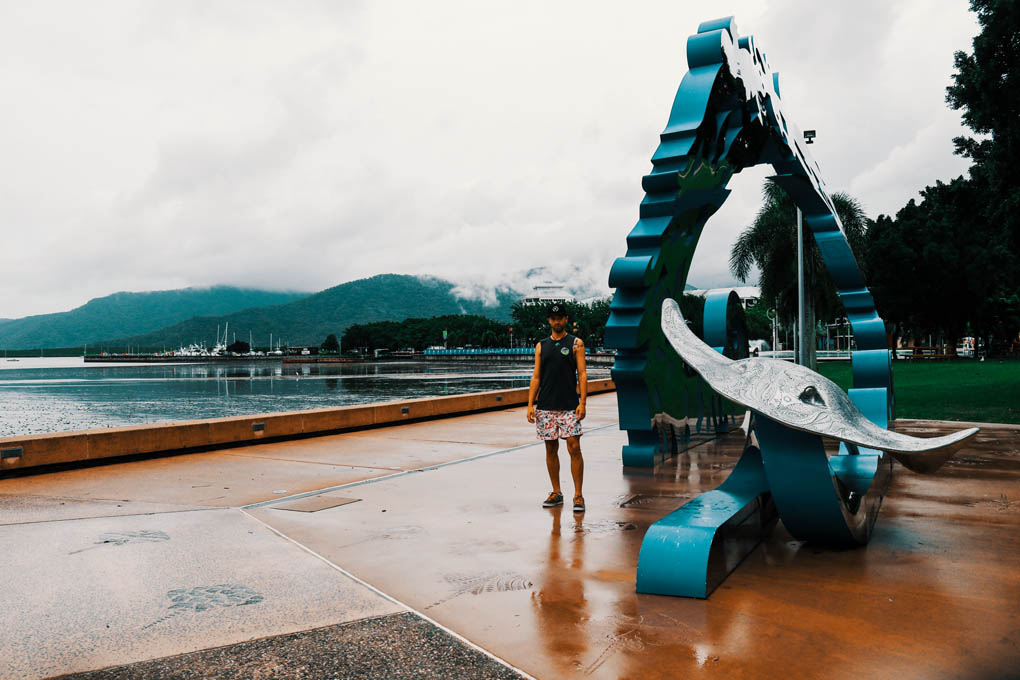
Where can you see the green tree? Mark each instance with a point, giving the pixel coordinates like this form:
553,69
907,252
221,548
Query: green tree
986,88
529,322
330,344
587,321
759,325
770,244
935,268
890,265
592,322
917,263
462,329
693,309
239,347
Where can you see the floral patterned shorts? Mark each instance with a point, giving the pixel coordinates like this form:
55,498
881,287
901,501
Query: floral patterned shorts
557,424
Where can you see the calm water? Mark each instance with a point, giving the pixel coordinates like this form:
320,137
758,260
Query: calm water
54,395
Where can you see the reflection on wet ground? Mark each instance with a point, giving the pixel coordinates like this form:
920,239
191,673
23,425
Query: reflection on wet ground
61,397
934,595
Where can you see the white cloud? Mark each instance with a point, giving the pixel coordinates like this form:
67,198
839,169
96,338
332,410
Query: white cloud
910,166
153,145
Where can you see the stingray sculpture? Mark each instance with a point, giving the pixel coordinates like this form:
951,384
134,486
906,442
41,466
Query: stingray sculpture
792,395
797,397
728,115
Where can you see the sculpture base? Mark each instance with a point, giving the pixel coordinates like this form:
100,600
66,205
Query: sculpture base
832,502
692,550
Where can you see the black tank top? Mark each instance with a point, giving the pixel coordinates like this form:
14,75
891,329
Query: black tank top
557,377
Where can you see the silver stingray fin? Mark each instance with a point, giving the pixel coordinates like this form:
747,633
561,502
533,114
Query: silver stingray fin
800,398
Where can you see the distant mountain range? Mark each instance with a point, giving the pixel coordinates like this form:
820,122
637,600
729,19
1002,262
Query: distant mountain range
308,320
126,314
175,318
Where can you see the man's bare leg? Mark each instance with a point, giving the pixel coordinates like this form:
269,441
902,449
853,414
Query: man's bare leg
552,462
576,463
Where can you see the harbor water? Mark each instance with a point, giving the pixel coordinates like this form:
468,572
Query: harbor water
39,395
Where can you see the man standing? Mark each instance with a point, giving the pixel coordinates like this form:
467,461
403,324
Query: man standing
560,384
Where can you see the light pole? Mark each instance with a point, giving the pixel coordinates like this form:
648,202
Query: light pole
801,357
772,314
801,334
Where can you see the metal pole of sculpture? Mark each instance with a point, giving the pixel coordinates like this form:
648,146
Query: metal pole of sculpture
728,115
801,331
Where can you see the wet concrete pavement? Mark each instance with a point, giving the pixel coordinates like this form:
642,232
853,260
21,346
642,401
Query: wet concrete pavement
102,591
935,594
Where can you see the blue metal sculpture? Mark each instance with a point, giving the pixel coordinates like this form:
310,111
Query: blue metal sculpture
728,115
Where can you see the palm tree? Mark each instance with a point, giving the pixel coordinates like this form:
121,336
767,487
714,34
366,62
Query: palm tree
770,244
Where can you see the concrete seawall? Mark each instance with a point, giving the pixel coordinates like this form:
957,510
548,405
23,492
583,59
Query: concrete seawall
28,451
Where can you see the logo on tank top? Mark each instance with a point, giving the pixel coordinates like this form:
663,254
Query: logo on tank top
564,351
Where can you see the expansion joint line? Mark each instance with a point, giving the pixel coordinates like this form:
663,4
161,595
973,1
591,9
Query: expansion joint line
389,597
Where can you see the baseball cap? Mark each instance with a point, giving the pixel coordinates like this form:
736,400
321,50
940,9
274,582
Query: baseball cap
556,309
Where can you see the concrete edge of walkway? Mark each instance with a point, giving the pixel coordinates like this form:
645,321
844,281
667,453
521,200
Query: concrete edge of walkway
194,436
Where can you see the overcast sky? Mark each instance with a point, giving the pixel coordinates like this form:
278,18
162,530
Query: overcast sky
298,145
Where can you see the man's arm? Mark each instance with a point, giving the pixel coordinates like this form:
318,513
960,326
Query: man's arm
582,378
533,386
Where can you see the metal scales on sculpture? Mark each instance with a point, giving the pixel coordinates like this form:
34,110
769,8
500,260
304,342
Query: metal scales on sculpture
727,116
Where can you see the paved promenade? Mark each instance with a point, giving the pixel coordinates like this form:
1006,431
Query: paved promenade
420,550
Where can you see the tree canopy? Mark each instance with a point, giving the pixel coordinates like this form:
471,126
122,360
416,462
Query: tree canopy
986,89
239,347
948,265
770,245
330,344
928,268
587,321
419,334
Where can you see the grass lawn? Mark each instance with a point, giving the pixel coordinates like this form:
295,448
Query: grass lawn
963,389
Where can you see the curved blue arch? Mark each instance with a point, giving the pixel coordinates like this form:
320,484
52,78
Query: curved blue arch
728,115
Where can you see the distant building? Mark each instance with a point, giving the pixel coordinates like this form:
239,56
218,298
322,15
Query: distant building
546,294
749,295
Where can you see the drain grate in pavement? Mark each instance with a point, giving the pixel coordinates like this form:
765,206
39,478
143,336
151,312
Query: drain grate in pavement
315,503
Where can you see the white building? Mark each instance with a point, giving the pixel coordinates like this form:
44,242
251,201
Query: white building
546,294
